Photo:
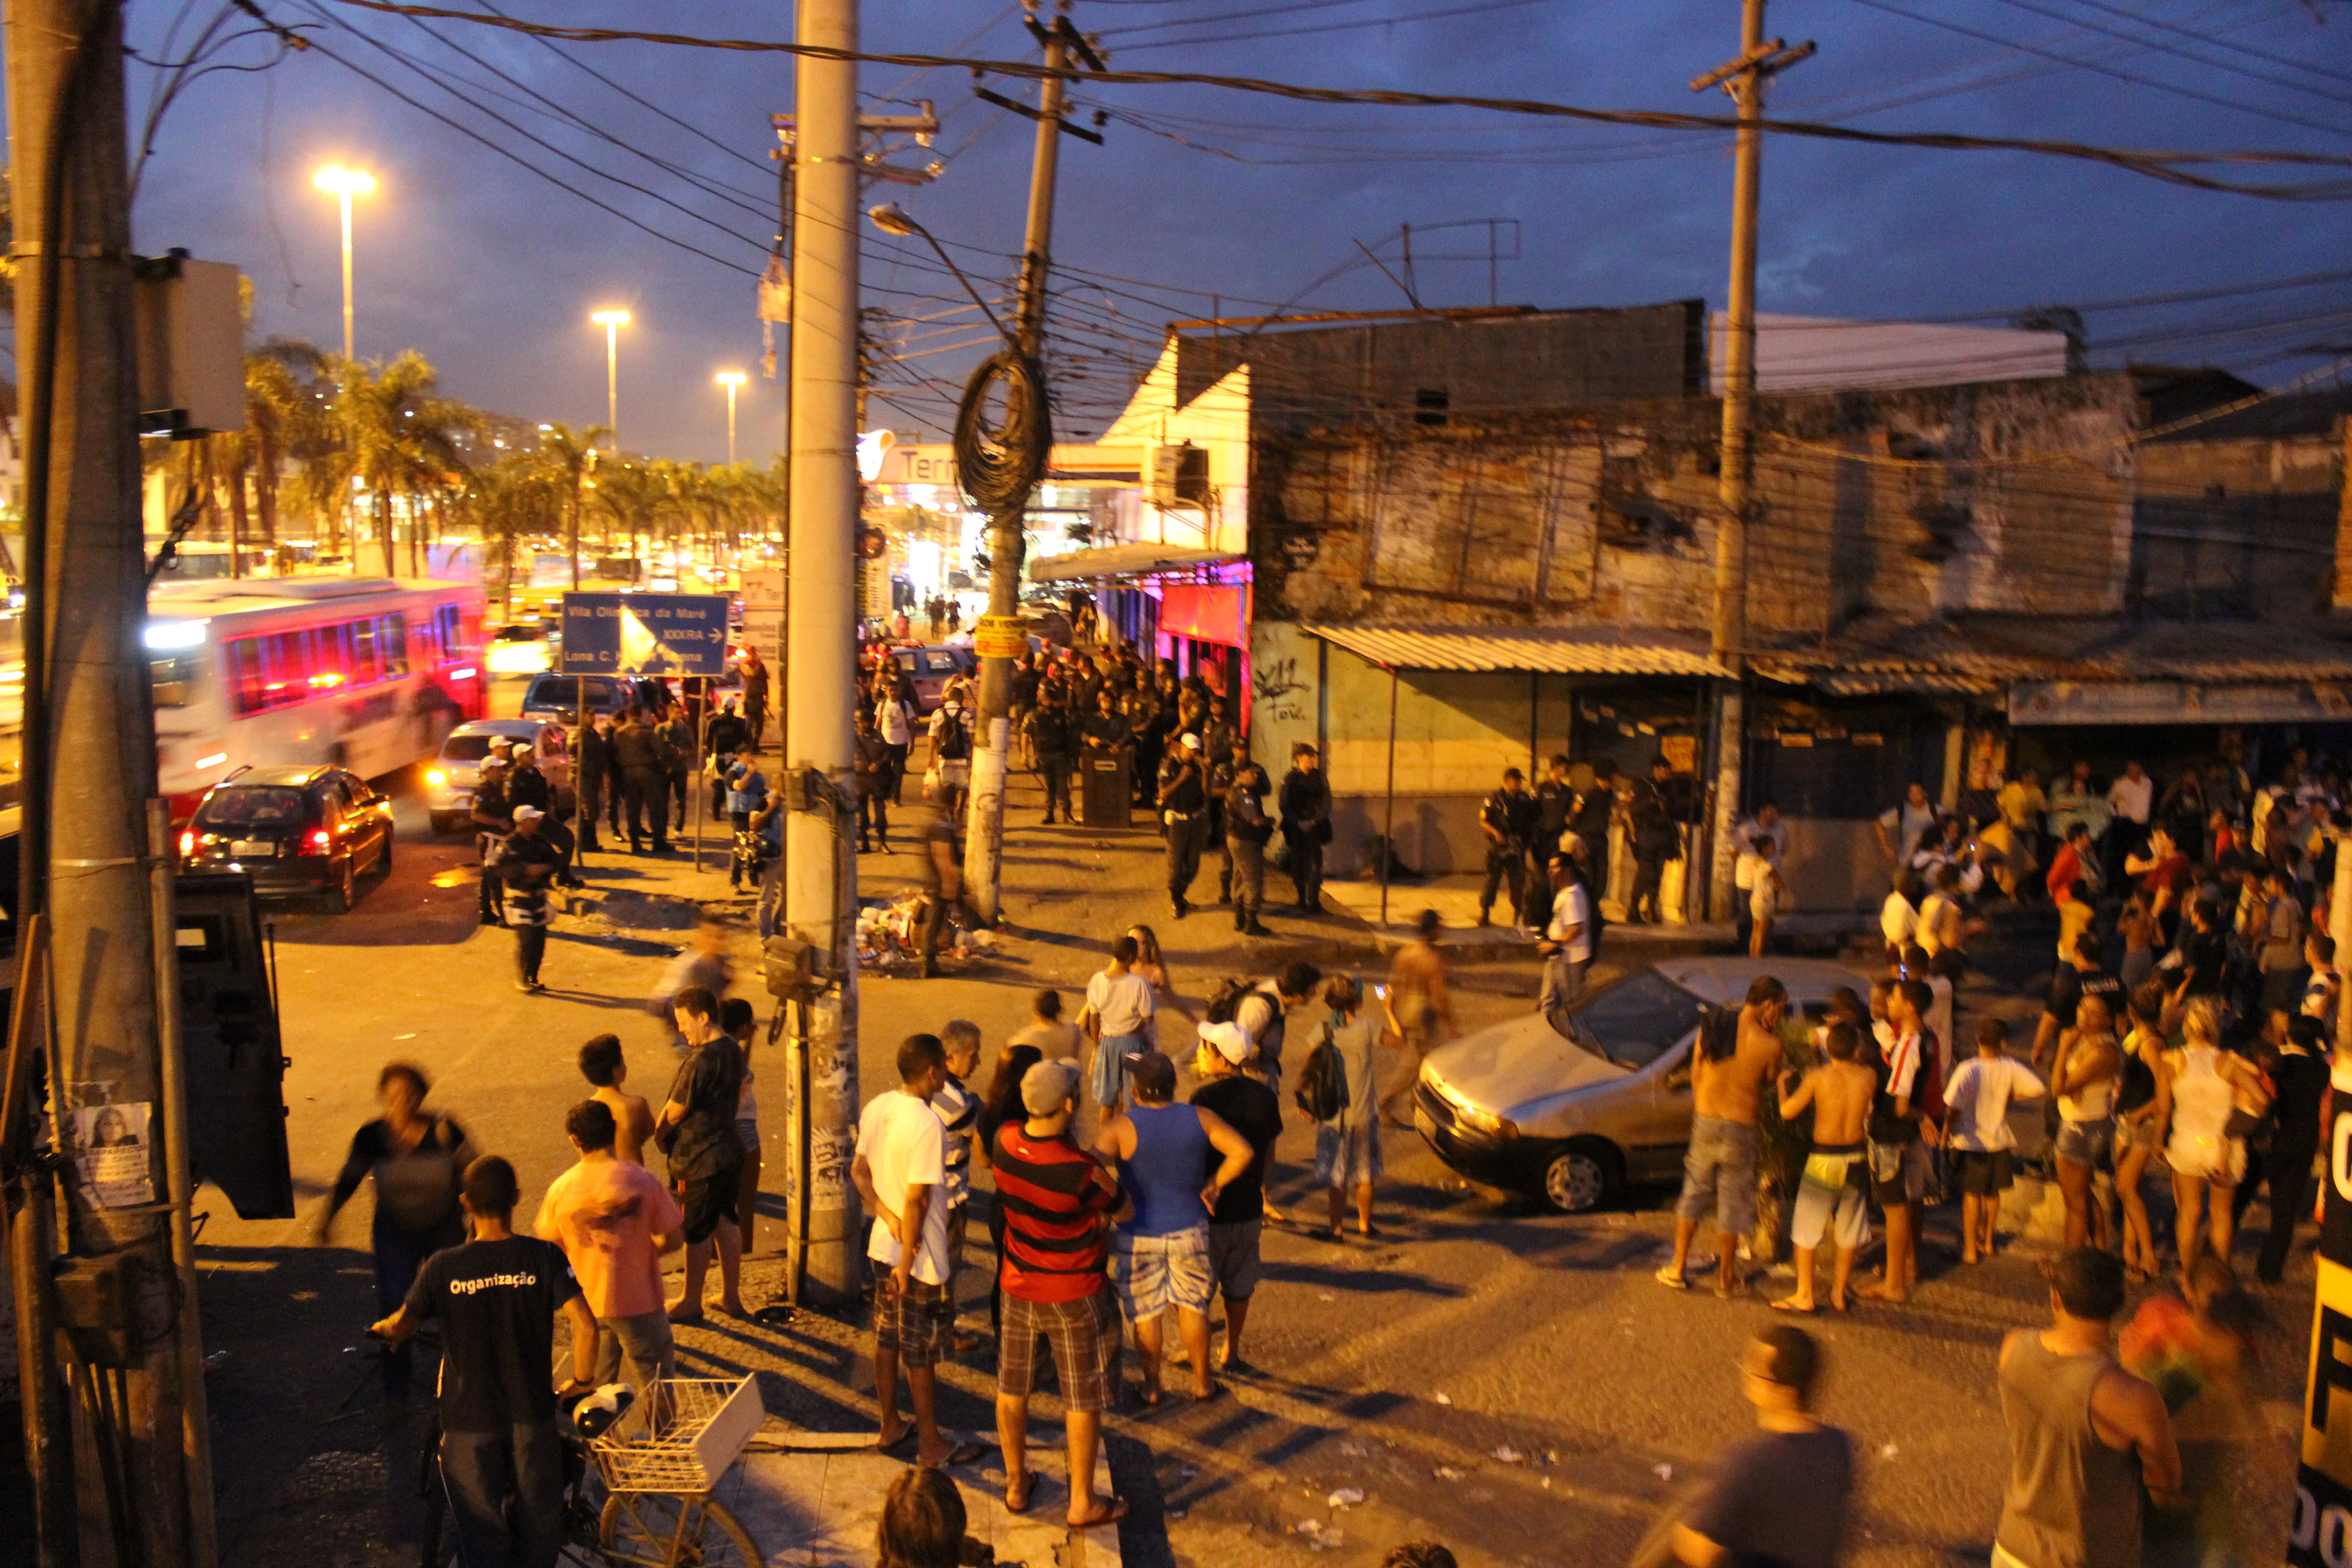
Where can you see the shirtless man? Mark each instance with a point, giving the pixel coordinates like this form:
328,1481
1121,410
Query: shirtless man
1836,1179
1719,1171
1421,1009
633,1121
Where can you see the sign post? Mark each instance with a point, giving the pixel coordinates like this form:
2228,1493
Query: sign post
2320,1533
999,636
631,635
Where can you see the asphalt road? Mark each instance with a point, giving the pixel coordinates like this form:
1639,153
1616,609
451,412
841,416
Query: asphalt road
1509,1381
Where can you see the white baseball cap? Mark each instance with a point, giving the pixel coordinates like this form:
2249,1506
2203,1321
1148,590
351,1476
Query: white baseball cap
1230,1041
1191,742
528,814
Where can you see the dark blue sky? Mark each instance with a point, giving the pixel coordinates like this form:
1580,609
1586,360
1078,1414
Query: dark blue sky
491,270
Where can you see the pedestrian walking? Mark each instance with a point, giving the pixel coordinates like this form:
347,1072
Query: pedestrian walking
1183,802
417,1159
1420,1003
527,867
1729,1066
740,1025
1054,1200
1566,944
496,1297
899,1168
607,1072
1834,1187
1160,1257
1977,1102
2086,1438
1237,1220
1348,1142
1118,1017
894,721
1304,803
1508,819
2198,1350
613,1220
701,964
593,779
493,818
695,1131
942,870
1783,1495
873,762
1247,831
527,786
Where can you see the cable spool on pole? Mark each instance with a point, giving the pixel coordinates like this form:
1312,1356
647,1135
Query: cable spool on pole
1000,458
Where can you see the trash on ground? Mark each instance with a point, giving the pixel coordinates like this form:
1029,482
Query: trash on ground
1346,1497
1447,1473
1508,1454
1664,1472
1445,1399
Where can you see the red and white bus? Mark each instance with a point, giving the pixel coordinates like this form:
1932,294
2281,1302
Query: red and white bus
367,673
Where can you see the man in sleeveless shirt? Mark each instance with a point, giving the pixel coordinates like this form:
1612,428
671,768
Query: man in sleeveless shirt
2084,1435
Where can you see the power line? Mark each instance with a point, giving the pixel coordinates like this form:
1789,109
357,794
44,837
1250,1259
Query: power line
2173,167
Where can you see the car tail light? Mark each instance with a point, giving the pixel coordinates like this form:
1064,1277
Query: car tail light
187,844
319,840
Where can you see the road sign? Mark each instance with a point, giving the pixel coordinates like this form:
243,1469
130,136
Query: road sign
645,634
1000,637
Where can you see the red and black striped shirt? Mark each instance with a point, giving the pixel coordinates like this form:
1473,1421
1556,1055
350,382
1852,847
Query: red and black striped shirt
1052,1193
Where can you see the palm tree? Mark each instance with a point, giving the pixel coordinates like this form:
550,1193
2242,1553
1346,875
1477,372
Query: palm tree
395,437
513,498
565,459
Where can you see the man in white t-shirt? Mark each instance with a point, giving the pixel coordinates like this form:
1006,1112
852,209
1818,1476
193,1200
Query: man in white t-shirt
1567,942
1977,1102
900,1165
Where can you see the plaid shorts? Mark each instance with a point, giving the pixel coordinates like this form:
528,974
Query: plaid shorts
914,1321
1154,1273
1084,1338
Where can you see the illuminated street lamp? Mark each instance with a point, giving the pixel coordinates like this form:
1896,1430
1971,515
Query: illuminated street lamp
731,380
345,183
612,321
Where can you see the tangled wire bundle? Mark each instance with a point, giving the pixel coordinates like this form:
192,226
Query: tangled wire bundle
998,465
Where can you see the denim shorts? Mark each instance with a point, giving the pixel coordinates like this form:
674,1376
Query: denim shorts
1719,1176
2091,1143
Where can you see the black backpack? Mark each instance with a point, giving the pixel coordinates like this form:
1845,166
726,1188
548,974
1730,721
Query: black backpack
955,741
1322,1091
1227,1001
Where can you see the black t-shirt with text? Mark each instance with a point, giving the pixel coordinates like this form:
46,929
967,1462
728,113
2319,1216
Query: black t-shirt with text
496,1302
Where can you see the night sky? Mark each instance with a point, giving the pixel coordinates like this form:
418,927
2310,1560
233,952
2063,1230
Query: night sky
1204,198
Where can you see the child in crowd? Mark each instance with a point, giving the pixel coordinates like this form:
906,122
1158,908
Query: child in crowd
1977,1100
602,1063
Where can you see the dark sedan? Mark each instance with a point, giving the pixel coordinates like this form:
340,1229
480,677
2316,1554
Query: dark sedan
295,832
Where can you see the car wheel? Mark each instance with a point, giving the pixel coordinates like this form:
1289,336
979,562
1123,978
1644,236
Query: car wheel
384,860
1577,1177
345,892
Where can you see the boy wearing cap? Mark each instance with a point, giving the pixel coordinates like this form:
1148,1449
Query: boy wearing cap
1237,1223
1184,807
1055,1200
493,818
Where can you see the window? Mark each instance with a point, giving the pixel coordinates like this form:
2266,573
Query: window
1430,405
366,669
175,678
1636,1022
393,641
253,806
245,675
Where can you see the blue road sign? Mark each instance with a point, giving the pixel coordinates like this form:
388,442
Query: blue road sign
645,634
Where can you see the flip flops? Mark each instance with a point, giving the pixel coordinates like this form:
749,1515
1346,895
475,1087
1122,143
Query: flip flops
1111,1510
1670,1279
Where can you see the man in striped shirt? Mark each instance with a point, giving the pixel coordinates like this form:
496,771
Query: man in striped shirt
1055,1201
958,1111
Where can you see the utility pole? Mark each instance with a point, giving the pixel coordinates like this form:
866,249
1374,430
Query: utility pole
821,876
1744,78
1008,544
137,1402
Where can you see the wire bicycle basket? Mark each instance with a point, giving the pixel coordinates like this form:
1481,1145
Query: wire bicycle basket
692,1432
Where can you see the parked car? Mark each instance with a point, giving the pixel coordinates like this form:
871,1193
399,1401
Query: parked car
932,668
294,831
451,777
1575,1117
555,699
520,647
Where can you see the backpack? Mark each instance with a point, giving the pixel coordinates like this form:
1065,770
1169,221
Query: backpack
955,741
1226,1002
1322,1091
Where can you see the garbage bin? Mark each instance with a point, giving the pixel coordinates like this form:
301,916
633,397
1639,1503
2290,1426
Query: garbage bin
1106,785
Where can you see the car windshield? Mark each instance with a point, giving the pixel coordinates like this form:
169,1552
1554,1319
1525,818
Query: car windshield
252,807
466,748
562,691
1635,1021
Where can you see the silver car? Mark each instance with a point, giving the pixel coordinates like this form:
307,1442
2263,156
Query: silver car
450,777
1572,1117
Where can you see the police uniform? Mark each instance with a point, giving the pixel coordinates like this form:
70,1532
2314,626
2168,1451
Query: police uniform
1220,779
1305,802
1248,829
493,820
1510,815
1052,741
1184,806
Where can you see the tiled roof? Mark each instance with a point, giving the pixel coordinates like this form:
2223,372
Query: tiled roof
1546,651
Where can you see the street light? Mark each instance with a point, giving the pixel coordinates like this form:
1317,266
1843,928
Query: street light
892,218
345,183
612,321
731,380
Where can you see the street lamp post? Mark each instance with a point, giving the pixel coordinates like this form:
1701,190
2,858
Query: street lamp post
612,321
345,183
731,380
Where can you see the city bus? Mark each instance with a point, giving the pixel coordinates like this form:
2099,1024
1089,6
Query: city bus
367,673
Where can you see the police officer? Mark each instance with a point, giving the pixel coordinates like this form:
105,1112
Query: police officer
1596,806
493,816
1306,803
1149,724
1247,829
1107,728
1217,732
1184,807
527,862
1655,838
1224,765
592,778
527,785
1508,818
873,766
638,750
1555,800
1052,741
679,752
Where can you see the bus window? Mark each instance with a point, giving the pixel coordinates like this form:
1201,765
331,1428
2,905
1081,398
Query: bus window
364,670
176,678
245,675
394,642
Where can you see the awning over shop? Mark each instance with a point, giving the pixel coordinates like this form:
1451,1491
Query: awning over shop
1543,651
1116,561
1208,611
2179,702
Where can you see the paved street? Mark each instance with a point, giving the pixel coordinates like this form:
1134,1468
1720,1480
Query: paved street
1510,1382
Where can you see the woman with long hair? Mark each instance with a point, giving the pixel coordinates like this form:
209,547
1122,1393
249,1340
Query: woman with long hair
2201,1090
1154,968
2136,1113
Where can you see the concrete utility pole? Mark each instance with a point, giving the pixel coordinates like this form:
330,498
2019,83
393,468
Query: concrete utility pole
1744,79
992,755
821,880
148,1500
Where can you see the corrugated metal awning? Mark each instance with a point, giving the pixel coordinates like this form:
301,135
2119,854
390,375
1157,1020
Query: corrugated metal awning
1538,650
1886,680
1124,560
